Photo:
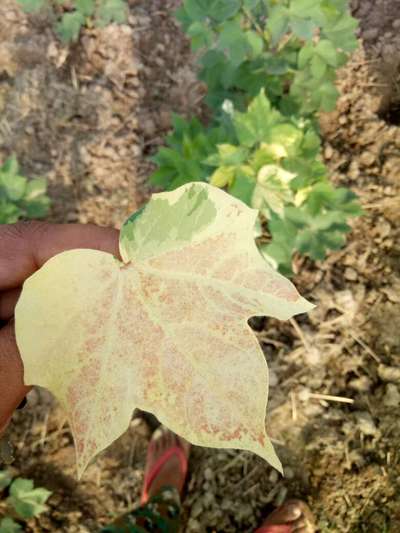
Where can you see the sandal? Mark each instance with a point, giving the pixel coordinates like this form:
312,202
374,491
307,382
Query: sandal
152,473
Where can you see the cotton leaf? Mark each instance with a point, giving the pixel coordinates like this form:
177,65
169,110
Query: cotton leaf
272,191
164,331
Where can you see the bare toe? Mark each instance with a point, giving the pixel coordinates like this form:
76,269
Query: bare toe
286,513
294,513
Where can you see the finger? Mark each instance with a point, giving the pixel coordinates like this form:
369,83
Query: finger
8,301
12,387
26,246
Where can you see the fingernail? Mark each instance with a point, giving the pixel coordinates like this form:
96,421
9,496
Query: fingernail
294,510
22,404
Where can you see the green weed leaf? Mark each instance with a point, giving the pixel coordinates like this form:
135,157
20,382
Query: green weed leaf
326,50
255,43
27,501
20,197
253,126
111,11
200,34
327,94
242,187
318,67
70,26
5,479
277,24
302,28
220,10
196,9
342,33
228,154
8,525
31,6
86,7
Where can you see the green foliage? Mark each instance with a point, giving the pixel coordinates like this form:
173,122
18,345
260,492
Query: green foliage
30,6
274,166
20,197
270,67
312,228
5,479
69,23
291,48
8,525
26,501
181,161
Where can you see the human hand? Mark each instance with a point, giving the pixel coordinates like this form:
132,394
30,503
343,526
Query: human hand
24,248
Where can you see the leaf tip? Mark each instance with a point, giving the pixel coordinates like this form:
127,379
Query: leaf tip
304,306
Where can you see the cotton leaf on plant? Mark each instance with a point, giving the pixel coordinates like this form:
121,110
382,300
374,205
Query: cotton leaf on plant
272,191
165,330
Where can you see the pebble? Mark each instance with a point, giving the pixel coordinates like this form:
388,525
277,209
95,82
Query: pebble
226,504
389,373
244,512
365,423
328,152
194,525
165,120
312,356
396,24
208,499
371,35
221,479
350,274
148,127
392,396
197,509
273,378
389,52
367,159
208,474
289,472
281,496
361,384
274,476
304,395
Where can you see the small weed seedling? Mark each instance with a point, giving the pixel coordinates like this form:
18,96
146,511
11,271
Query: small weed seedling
20,197
25,501
71,15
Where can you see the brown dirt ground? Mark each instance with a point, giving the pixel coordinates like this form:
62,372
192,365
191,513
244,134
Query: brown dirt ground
86,118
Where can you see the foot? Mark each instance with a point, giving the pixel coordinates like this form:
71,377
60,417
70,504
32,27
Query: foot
294,514
170,474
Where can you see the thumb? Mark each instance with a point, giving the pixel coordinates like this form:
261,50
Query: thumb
12,388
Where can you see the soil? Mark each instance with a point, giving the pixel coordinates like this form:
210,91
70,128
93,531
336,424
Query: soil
87,118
